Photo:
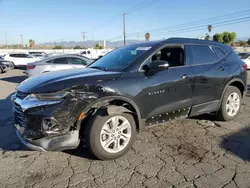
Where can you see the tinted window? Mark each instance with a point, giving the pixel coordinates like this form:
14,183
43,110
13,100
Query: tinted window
84,52
244,56
203,54
14,55
61,61
76,61
25,55
88,52
220,53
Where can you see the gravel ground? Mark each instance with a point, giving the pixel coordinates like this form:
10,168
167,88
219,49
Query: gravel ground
195,152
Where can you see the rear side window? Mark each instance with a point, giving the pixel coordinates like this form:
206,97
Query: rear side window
76,61
61,61
203,54
220,53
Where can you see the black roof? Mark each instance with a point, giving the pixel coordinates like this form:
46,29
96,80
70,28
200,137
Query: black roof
226,48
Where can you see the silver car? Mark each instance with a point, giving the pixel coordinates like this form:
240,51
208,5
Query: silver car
55,63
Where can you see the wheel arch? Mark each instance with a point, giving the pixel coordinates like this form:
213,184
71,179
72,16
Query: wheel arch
236,82
116,101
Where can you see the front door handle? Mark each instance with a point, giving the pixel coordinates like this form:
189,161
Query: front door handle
185,76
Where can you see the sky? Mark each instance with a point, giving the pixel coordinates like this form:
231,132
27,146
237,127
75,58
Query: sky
57,20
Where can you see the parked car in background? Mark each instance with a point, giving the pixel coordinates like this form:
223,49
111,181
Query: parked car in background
8,64
246,58
38,54
2,68
93,53
20,60
109,102
55,63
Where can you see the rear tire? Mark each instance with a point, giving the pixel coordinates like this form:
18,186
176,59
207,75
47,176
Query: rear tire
230,104
106,142
1,70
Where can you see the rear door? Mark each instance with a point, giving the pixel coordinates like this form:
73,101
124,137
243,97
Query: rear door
77,62
210,75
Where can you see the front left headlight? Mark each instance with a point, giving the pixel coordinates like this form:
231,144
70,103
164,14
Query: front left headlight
48,96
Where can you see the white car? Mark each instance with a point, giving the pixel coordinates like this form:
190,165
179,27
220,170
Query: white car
246,58
56,63
20,60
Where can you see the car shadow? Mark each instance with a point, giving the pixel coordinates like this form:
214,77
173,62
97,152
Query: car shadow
8,137
14,79
81,152
238,143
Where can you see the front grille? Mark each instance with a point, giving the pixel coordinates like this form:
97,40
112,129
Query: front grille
21,95
19,115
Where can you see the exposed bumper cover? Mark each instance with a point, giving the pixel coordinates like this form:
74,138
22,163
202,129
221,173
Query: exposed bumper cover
60,142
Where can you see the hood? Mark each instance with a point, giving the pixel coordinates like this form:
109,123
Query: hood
59,80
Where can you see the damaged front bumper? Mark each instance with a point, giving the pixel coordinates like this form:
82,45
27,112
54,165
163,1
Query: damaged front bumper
45,125
59,142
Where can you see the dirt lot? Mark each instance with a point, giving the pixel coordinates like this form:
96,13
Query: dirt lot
183,153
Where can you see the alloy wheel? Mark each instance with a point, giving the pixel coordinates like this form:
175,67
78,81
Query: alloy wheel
115,134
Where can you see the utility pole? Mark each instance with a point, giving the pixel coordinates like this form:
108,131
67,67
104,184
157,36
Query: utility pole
6,40
83,38
21,40
124,29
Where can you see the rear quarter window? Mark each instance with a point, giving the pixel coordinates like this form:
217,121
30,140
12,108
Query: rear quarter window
203,54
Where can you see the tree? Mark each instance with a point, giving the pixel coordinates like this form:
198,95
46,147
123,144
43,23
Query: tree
147,36
78,47
209,28
248,41
243,43
58,47
32,43
225,37
98,46
217,37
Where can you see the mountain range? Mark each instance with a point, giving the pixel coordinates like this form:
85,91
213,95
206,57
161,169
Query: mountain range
88,43
109,44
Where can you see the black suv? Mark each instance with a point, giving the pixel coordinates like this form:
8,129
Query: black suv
134,86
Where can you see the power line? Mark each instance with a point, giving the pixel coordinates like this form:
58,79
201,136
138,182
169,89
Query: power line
219,24
127,11
188,23
198,26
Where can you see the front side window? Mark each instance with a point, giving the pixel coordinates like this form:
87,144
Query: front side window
203,54
76,61
174,56
119,59
61,61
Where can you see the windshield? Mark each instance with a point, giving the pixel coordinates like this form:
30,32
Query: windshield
119,59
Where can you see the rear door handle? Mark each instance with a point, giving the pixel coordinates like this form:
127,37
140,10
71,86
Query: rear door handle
185,76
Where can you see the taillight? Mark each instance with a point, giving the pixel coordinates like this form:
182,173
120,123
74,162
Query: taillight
30,66
244,66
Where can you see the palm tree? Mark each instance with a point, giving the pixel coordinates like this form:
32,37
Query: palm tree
209,28
147,36
31,43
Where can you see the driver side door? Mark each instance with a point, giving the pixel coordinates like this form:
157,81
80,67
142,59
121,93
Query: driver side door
167,92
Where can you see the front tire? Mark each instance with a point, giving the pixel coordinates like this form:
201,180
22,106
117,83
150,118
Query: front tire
110,136
230,105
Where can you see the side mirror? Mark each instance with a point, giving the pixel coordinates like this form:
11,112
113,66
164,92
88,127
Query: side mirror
158,65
